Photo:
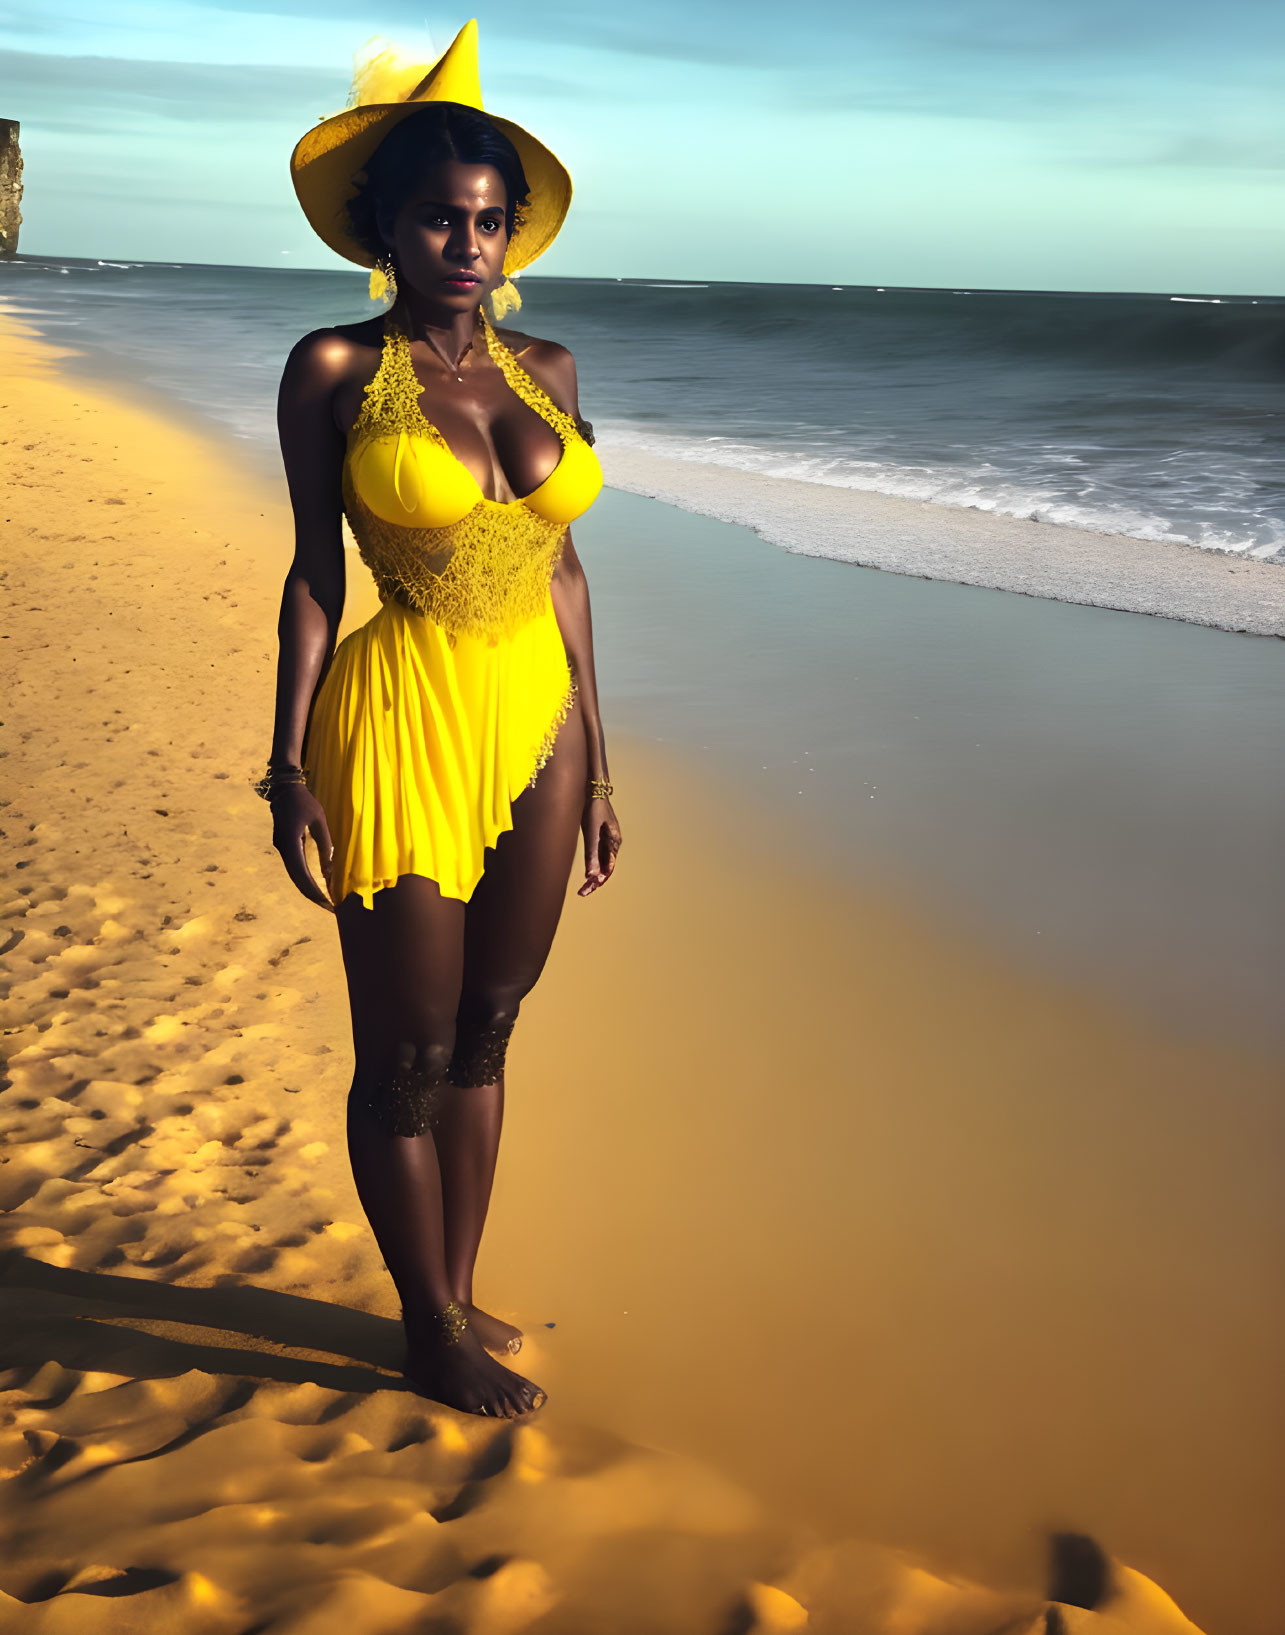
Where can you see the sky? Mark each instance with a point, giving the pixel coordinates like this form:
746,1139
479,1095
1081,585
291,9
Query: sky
1001,144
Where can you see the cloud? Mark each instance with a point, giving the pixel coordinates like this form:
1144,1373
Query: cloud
20,20
885,90
1206,150
80,93
773,34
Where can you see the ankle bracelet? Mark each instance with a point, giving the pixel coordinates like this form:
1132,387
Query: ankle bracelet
453,1320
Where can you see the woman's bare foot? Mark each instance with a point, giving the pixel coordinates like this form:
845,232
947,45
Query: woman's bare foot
461,1374
495,1335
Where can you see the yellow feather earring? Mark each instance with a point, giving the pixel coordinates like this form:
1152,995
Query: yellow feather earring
505,299
383,280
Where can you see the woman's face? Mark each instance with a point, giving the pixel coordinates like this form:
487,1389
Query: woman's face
448,239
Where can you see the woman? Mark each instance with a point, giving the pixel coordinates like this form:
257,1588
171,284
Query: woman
446,754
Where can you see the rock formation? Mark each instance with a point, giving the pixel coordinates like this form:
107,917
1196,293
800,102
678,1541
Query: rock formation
10,187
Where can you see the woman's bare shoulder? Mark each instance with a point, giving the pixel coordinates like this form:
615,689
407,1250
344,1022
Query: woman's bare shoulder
550,365
329,357
534,350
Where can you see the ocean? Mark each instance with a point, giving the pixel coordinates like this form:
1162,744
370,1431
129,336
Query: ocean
1156,416
1095,792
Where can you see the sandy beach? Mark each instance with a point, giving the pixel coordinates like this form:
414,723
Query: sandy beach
859,1258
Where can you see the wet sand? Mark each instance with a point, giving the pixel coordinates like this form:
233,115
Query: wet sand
856,1258
1097,794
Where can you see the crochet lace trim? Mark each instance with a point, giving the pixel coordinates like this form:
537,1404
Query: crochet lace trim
545,750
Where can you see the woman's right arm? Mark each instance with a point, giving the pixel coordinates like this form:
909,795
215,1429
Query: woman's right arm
312,601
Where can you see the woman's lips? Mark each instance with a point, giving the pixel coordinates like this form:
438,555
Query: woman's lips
462,281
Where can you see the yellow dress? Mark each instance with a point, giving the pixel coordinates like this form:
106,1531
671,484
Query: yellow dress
442,708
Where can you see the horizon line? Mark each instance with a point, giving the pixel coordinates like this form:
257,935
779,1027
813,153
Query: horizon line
1203,296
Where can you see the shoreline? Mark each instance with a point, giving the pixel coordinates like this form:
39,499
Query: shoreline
967,546
1037,1228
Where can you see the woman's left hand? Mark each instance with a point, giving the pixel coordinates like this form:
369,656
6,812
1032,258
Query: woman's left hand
601,843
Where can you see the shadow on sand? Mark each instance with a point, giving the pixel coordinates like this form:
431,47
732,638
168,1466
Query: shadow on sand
126,1325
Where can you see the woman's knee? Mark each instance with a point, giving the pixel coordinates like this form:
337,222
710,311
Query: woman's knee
491,1004
386,1045
483,1028
398,1083
420,1055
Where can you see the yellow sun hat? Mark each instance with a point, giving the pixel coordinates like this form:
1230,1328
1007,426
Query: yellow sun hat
385,91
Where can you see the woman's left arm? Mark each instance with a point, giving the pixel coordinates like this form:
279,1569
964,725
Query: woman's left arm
570,591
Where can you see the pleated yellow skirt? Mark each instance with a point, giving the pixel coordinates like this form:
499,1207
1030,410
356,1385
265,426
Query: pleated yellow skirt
417,749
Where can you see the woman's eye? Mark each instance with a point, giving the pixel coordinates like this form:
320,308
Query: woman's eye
492,226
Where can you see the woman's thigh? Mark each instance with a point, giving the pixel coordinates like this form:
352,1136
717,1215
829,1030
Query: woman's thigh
403,960
512,915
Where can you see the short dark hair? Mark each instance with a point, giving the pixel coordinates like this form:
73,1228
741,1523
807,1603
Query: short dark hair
437,132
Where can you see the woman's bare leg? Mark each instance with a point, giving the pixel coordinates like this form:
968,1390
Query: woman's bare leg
509,925
403,960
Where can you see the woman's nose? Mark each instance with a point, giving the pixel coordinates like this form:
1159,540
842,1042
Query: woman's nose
464,245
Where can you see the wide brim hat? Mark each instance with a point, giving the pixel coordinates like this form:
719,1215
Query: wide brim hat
328,158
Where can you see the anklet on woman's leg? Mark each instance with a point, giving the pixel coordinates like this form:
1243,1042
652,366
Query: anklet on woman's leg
453,1320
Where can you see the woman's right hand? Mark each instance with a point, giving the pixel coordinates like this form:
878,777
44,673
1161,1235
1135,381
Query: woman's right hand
296,812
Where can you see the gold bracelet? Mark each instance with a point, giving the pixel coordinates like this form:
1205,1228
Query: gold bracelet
600,789
277,775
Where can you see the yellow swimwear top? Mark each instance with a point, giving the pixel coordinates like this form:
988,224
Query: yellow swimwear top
429,536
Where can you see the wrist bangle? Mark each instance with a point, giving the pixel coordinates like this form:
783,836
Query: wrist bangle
275,777
600,789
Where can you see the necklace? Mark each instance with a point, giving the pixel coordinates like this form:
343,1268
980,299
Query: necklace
453,367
